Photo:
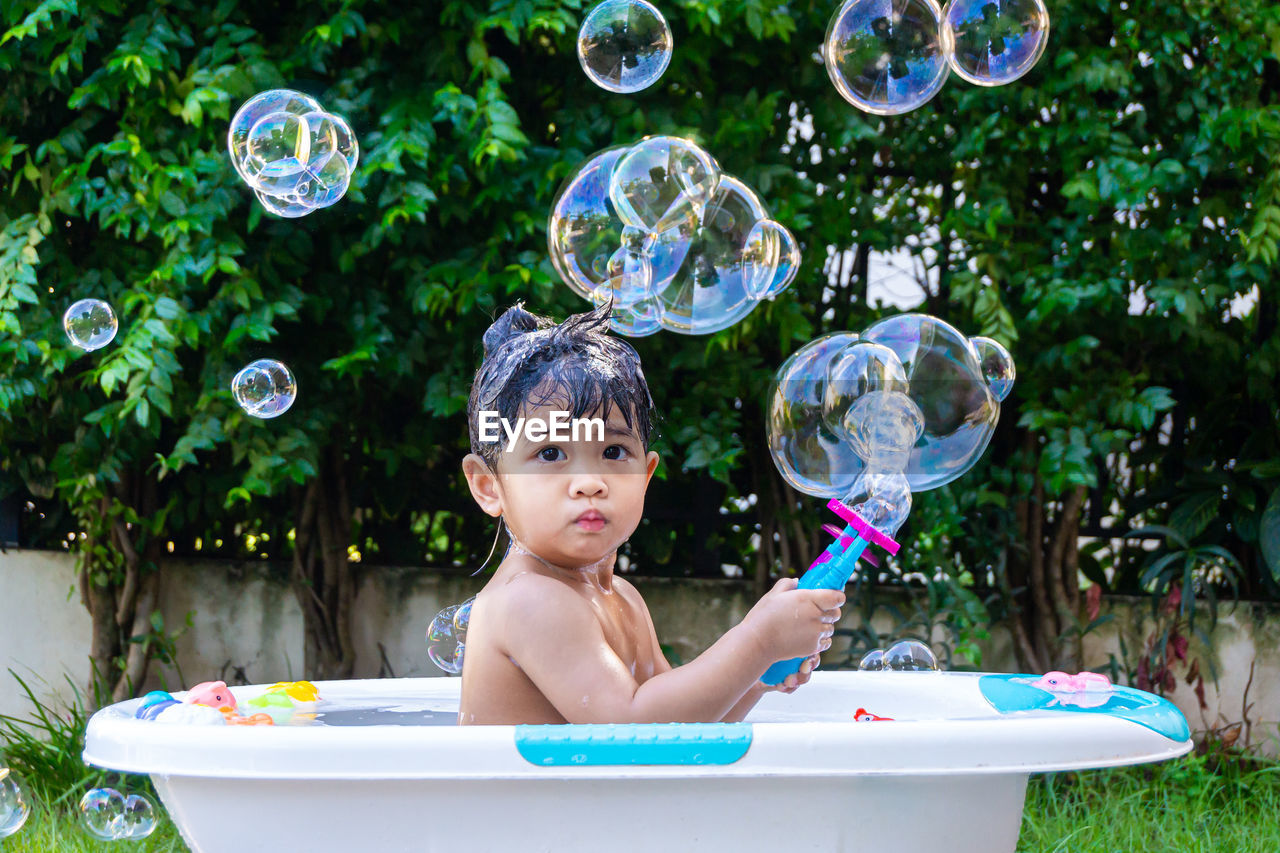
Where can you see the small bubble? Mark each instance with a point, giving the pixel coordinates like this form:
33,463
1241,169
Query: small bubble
910,656
624,45
14,808
90,324
265,388
102,813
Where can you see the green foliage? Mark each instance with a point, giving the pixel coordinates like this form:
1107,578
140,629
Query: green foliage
1113,218
44,748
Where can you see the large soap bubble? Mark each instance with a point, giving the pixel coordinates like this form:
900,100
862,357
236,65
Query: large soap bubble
90,324
887,56
843,425
910,656
995,41
657,230
713,289
624,45
294,155
14,808
595,252
447,636
264,388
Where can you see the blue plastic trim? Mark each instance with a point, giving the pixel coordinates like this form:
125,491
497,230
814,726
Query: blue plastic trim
613,744
1012,693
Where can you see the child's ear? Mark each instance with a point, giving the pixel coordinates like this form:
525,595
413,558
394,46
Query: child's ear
651,465
483,484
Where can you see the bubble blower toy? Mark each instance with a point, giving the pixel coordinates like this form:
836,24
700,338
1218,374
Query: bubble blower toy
908,405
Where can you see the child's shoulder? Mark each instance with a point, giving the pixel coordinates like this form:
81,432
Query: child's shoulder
531,595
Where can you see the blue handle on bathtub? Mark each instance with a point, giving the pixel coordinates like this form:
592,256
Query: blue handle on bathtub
628,743
833,573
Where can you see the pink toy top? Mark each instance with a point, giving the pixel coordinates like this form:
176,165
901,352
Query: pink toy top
215,694
868,532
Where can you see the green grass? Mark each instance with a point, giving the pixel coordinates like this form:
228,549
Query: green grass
1196,804
58,831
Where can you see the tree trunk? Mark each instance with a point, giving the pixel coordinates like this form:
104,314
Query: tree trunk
321,576
1039,574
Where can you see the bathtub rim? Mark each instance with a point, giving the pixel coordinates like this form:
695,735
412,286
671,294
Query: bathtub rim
1018,743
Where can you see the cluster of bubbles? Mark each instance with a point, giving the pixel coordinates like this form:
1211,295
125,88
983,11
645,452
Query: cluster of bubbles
674,243
14,808
295,156
109,815
90,324
890,56
624,45
902,656
264,388
908,405
447,636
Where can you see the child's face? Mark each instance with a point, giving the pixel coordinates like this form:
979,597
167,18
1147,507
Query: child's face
570,502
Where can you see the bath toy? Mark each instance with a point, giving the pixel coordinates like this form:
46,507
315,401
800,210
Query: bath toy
1084,689
214,694
234,719
910,404
153,703
862,715
965,743
299,691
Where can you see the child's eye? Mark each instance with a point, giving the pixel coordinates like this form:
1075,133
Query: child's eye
616,452
551,454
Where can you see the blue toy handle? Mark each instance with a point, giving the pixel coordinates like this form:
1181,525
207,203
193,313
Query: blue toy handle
830,573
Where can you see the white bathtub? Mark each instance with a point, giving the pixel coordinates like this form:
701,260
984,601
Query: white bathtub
947,774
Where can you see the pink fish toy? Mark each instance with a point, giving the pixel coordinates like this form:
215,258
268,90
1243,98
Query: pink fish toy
215,694
1084,689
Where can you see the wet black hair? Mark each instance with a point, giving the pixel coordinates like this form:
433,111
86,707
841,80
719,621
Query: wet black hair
529,360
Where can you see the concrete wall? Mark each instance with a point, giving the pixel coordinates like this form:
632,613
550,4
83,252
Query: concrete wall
246,627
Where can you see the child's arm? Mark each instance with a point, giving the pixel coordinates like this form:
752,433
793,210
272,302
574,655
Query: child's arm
551,633
757,690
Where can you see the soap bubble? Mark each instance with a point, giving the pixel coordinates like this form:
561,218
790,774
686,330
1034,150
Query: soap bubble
663,182
264,388
887,56
585,237
997,366
947,383
872,661
14,808
788,263
883,427
881,499
447,636
910,656
90,324
139,818
860,368
711,291
102,813
294,155
809,455
995,41
655,230
624,45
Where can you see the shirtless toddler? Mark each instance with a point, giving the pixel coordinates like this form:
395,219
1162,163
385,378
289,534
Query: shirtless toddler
555,636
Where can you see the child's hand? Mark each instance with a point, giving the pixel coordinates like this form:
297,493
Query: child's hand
790,623
795,679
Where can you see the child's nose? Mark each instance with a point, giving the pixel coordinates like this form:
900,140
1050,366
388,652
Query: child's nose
588,484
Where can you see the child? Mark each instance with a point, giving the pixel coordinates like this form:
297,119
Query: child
555,636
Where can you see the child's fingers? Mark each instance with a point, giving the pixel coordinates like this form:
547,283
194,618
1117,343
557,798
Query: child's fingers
785,584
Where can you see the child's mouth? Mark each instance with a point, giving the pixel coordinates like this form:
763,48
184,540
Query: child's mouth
590,521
